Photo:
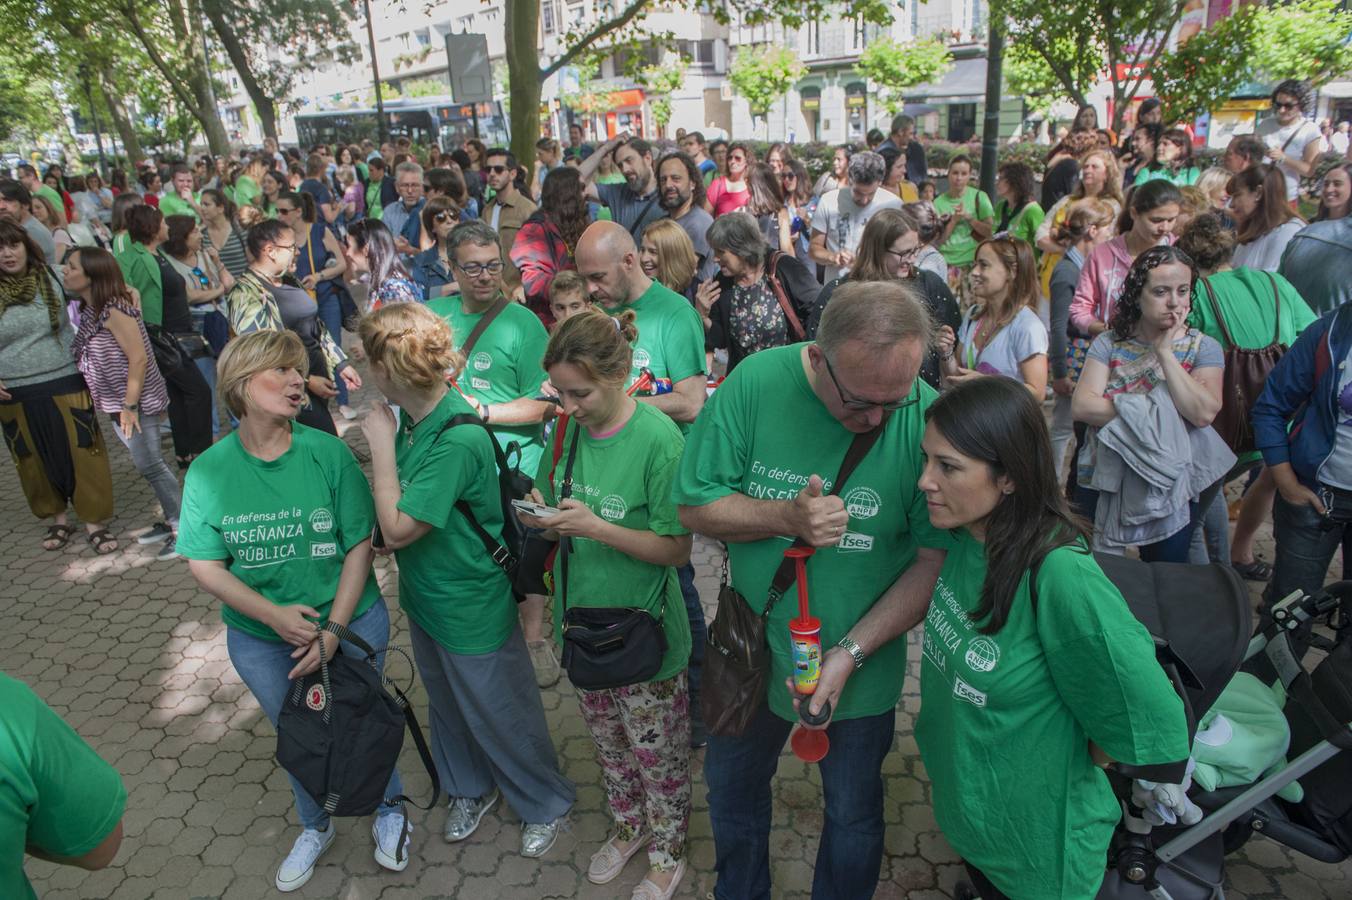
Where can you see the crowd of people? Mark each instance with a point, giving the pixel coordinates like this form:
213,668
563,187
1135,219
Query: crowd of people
666,340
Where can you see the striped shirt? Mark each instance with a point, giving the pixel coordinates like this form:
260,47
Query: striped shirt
232,254
103,363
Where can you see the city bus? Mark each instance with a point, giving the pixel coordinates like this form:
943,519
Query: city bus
422,120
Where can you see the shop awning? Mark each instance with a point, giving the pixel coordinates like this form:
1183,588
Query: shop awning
964,83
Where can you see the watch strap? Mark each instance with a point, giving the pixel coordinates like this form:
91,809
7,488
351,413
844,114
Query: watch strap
853,649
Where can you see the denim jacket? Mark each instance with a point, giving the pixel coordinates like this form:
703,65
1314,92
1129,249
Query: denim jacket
1302,391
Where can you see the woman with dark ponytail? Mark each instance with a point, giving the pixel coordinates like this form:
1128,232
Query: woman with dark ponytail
1034,669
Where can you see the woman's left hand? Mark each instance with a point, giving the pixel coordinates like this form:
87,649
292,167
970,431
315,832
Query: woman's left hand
309,655
837,667
962,375
350,378
575,519
378,425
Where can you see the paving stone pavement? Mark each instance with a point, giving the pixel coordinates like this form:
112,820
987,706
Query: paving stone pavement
133,656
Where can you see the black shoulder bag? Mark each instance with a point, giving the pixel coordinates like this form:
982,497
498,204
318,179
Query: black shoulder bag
737,661
610,646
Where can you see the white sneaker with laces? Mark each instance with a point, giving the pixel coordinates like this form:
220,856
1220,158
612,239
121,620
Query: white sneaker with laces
386,831
299,864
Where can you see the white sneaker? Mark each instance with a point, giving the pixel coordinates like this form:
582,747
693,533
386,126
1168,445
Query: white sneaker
386,830
347,412
299,864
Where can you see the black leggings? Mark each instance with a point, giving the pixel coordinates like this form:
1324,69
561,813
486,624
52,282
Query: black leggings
189,408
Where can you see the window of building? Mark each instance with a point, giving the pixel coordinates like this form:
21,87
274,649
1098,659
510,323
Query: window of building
813,38
423,36
577,13
547,18
860,33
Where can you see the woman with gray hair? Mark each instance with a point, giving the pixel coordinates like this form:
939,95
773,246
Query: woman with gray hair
761,298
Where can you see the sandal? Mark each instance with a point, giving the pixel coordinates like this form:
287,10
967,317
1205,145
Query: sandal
58,533
1258,570
100,541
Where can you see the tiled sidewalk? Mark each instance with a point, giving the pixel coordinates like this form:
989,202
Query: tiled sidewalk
132,654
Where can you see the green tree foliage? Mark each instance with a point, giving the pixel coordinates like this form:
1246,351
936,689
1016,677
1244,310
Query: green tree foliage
763,75
1028,75
661,82
1303,39
895,67
1076,38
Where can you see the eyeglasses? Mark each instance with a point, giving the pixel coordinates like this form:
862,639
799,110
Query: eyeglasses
474,270
293,247
788,176
858,404
496,170
903,255
1287,104
284,210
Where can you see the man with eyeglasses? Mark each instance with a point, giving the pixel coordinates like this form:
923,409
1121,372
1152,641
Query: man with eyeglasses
1293,141
508,210
501,379
757,473
404,218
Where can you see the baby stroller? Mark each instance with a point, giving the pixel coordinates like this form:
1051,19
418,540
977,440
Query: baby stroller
1201,619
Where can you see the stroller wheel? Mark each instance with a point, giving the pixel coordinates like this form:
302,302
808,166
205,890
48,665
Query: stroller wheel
1235,836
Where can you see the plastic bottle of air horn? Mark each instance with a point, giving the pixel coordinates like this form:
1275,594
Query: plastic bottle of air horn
805,644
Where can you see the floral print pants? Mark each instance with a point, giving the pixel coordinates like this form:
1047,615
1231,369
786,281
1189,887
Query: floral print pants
642,735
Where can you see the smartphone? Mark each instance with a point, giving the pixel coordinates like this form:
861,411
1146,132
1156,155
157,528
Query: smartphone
534,509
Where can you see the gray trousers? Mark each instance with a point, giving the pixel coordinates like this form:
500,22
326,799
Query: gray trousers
488,727
148,459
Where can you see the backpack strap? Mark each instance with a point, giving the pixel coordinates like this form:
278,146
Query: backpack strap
1277,307
1216,310
500,554
795,324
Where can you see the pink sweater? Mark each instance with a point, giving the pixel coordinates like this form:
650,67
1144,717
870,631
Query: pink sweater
1100,284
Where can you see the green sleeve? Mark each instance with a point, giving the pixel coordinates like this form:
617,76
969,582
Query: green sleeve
530,355
984,209
79,798
686,345
1201,316
442,477
715,460
1102,661
197,538
662,518
1032,220
354,508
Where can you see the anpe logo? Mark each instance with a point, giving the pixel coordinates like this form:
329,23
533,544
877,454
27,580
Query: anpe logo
483,361
863,503
982,654
613,508
641,358
855,543
321,520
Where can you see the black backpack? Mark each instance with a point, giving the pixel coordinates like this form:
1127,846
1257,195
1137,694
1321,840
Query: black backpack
513,484
340,732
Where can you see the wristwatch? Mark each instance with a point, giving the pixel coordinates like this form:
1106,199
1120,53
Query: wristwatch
131,407
853,649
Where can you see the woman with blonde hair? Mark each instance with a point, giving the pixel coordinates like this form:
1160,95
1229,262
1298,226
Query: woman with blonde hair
621,542
438,504
1100,178
276,524
55,221
667,256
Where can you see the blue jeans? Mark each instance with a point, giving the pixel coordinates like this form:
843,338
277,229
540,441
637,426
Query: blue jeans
698,631
263,665
739,771
207,366
331,314
1174,548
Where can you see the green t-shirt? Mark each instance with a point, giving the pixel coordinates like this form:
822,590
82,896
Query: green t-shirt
174,205
960,248
626,480
1248,306
247,191
1024,224
373,205
1182,177
283,527
670,336
763,433
504,366
1006,720
448,583
141,271
56,793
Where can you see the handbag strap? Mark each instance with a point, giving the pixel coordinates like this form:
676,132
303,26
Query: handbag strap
1220,319
482,325
859,448
795,324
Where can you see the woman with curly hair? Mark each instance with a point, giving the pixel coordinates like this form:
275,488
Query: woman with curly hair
1149,345
544,246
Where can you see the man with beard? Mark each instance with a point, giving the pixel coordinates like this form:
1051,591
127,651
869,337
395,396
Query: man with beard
683,198
632,204
508,210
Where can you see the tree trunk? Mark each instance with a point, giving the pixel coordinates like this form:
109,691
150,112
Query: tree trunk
523,74
266,107
131,145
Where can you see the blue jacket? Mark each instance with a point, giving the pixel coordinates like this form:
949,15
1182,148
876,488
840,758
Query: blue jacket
428,271
1302,392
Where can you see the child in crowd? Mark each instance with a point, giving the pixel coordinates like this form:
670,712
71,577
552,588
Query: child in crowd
568,296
